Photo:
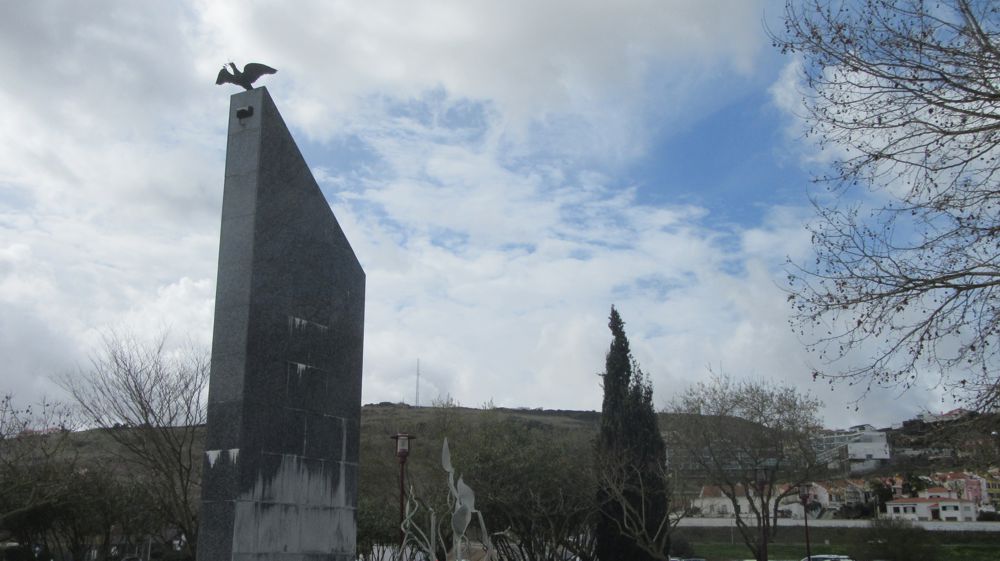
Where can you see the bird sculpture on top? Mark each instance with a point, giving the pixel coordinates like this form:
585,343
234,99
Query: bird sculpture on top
251,72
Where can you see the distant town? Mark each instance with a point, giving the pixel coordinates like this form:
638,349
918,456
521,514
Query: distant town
932,467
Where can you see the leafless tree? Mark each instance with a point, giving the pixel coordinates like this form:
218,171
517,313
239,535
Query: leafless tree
627,490
752,439
33,458
906,95
150,401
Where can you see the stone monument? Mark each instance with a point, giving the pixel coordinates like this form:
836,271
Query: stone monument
284,403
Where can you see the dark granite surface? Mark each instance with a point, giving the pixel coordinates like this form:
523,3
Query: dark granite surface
280,468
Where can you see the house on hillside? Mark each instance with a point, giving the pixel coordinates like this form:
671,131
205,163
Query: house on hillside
938,493
712,502
858,492
936,503
789,506
968,486
992,482
903,487
859,449
895,483
953,415
819,500
843,492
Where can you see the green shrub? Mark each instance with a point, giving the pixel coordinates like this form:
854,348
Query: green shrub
681,547
895,540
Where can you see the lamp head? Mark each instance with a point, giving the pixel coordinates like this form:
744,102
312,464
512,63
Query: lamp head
402,445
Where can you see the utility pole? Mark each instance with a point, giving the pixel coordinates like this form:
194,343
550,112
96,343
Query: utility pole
417,400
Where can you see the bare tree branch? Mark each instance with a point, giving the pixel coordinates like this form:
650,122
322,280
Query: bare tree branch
752,440
908,92
150,401
33,458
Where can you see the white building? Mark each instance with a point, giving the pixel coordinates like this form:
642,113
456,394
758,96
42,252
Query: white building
936,503
819,500
859,449
712,502
841,493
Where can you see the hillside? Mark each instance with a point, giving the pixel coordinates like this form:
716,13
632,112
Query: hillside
379,422
916,446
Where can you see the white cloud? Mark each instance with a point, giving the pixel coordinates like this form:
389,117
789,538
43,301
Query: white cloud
550,66
478,184
521,298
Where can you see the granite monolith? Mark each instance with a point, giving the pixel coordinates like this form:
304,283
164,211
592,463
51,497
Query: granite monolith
284,403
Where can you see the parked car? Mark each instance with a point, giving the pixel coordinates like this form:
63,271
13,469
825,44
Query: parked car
827,557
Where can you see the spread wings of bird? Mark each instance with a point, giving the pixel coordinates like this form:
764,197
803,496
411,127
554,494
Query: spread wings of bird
251,72
255,70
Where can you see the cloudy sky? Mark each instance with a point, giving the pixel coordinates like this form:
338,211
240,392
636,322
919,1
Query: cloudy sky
506,171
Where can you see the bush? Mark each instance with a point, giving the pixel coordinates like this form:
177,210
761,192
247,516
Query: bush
989,516
681,547
853,512
889,539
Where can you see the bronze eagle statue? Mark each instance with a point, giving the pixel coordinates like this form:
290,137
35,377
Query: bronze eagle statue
251,72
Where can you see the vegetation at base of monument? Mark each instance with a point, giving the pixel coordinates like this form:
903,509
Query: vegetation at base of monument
95,512
53,497
753,440
428,531
532,480
30,441
31,470
532,489
632,497
378,521
903,95
150,402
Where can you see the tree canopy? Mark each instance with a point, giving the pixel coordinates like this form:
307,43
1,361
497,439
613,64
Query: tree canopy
905,95
633,520
149,401
752,440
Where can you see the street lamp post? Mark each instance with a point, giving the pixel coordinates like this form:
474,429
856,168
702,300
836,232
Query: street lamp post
402,451
804,497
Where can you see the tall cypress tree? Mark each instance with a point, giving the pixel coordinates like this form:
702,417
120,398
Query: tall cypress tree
630,461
